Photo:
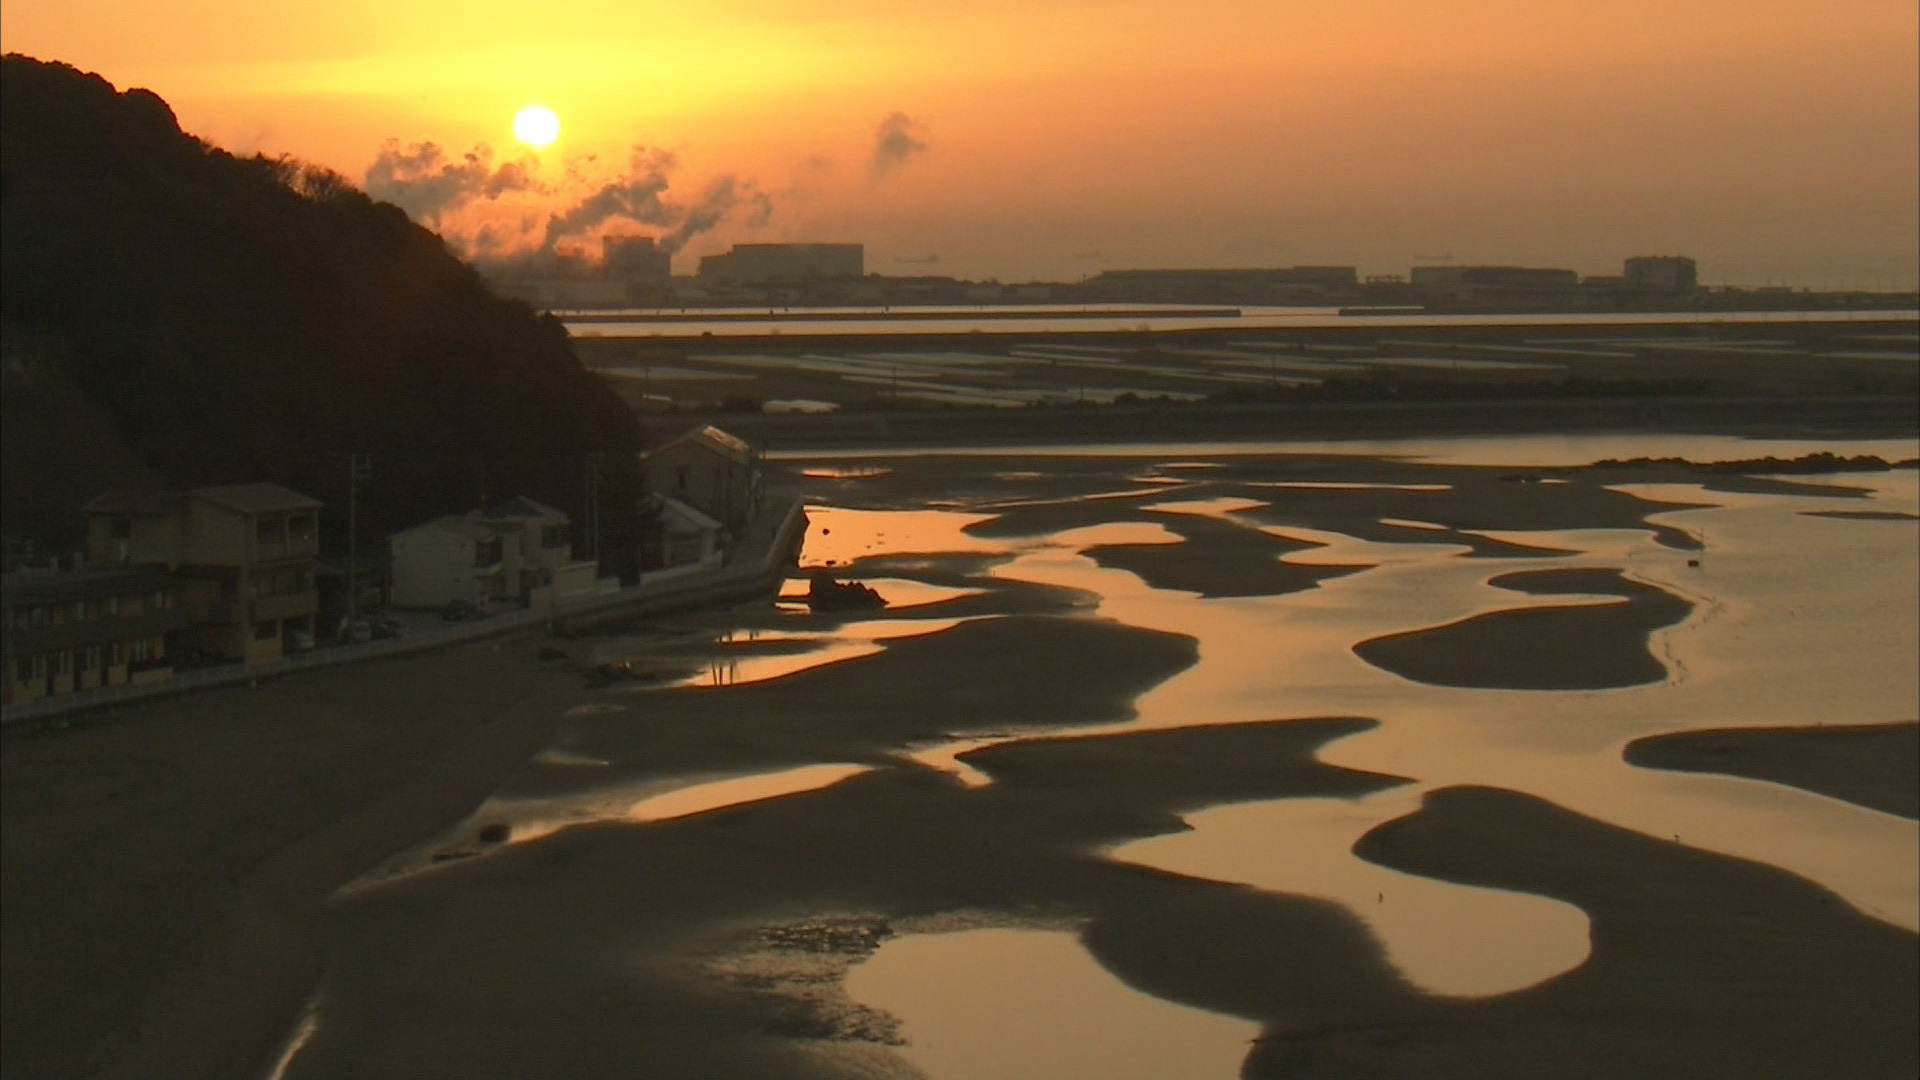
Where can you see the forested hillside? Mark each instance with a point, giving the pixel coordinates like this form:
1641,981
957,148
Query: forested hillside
173,313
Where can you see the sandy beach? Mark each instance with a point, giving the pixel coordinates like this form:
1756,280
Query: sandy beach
185,881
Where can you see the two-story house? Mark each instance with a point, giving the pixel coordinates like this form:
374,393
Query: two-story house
448,559
519,551
244,553
540,566
68,630
716,473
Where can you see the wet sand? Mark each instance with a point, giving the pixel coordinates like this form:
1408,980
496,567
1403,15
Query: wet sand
1702,966
1872,765
170,869
1541,648
167,865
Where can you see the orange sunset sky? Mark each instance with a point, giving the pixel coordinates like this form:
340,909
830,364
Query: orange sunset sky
1773,140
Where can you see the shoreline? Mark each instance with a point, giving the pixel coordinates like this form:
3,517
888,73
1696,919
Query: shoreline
1835,418
246,809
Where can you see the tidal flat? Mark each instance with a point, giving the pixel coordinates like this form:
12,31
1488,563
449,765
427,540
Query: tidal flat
1163,761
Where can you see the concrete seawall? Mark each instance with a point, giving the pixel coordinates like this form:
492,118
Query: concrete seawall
756,566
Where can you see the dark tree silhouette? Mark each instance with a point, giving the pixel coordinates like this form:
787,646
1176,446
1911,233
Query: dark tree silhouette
258,318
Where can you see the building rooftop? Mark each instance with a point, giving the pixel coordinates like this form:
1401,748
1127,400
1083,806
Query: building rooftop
673,508
521,507
55,586
457,524
731,445
135,502
256,498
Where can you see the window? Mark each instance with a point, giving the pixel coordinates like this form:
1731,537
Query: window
23,668
159,600
301,528
39,615
63,662
266,631
92,659
113,605
142,651
680,478
270,531
553,536
117,654
486,552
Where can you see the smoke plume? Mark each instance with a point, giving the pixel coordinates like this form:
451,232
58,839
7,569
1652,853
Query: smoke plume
896,140
641,196
422,180
637,195
431,186
724,195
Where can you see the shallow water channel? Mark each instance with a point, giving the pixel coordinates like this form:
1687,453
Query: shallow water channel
1790,619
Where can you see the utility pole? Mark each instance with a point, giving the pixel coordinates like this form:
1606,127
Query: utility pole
358,464
593,509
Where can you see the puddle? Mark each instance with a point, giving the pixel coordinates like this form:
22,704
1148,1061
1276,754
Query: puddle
1034,1005
1409,523
594,708
1450,939
897,592
744,670
303,1033
1229,504
1845,656
838,536
1317,485
658,799
1797,621
849,642
844,472
718,794
557,756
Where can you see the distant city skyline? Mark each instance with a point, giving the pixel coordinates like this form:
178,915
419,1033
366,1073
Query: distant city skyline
1774,141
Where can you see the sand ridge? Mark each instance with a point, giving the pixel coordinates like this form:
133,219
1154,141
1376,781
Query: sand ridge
206,838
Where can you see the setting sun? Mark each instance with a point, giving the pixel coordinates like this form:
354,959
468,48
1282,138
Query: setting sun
536,125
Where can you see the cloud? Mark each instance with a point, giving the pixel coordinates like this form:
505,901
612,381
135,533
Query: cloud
897,140
422,180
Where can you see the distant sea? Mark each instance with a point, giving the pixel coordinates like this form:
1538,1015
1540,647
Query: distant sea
738,322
